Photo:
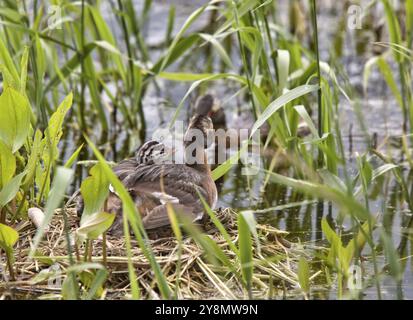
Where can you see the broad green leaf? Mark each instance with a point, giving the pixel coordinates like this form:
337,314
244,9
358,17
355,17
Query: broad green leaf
96,287
10,190
8,80
8,237
40,57
7,61
7,164
70,288
333,239
35,154
357,242
94,190
54,129
49,143
392,256
14,119
92,226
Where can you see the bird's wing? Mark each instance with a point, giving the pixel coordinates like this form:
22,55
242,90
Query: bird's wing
159,217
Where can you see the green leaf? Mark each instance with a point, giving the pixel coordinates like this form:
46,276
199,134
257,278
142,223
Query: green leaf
96,287
10,190
245,250
14,119
73,157
8,237
342,199
219,49
180,34
249,218
392,256
332,180
92,226
224,167
387,73
70,288
50,152
7,61
183,76
35,154
8,80
304,275
394,27
280,102
333,239
94,190
7,164
358,242
54,130
219,225
23,67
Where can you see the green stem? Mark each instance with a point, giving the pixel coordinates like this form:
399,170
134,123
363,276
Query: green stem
319,97
244,63
82,66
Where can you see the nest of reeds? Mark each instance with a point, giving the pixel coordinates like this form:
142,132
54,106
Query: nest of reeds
274,272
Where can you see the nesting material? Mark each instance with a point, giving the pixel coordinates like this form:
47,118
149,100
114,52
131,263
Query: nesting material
199,278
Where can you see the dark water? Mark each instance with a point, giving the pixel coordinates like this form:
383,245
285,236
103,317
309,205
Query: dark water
382,118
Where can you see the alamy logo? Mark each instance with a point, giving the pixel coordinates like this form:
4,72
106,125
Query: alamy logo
54,276
354,281
354,17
